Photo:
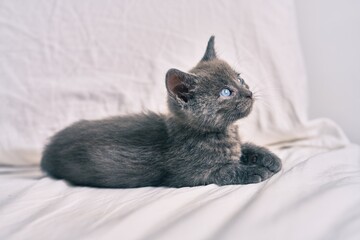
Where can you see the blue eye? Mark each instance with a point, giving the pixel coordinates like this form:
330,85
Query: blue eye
241,80
225,92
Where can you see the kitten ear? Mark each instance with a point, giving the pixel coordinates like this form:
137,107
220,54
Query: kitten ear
210,53
178,84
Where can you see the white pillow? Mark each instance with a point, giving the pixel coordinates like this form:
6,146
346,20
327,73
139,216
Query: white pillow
89,60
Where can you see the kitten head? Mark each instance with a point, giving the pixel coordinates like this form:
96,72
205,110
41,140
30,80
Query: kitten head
211,96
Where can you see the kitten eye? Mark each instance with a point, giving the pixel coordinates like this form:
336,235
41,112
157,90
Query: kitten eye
242,82
225,92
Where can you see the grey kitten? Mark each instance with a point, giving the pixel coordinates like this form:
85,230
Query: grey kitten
197,143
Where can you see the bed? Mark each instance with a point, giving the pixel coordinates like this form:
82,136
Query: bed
62,61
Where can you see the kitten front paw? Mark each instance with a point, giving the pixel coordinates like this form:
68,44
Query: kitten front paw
258,163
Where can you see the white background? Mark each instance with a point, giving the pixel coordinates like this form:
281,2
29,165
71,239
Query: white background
330,38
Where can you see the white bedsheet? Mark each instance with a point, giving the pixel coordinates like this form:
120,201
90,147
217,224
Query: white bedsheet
315,196
61,61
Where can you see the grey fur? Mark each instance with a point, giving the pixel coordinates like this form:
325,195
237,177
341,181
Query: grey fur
196,144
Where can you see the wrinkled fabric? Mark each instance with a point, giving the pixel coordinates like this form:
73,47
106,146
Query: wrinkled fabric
315,196
62,61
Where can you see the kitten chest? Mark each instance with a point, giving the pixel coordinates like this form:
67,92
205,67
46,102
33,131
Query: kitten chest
222,147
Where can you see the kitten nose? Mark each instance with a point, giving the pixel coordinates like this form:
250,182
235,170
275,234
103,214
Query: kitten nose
248,94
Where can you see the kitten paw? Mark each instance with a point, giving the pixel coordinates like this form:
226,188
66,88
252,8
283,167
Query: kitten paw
258,163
